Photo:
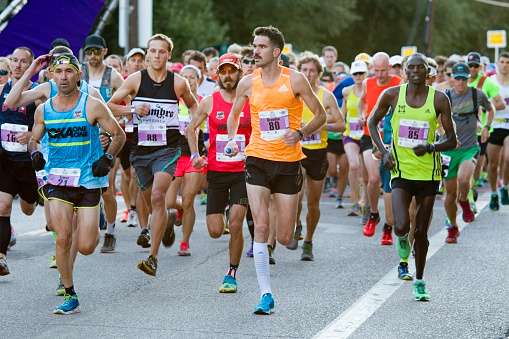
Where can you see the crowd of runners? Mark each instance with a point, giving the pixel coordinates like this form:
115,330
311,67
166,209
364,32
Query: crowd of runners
248,133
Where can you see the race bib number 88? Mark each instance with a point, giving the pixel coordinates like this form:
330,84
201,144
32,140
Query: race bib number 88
151,135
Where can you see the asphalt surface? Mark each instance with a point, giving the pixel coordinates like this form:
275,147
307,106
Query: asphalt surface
350,290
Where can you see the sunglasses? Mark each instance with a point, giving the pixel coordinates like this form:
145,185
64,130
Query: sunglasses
448,74
358,73
248,61
473,66
93,51
230,70
440,71
4,72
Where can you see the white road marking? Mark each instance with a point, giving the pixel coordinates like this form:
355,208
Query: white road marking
350,320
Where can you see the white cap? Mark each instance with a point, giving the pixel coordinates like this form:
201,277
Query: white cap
395,60
358,67
455,57
485,60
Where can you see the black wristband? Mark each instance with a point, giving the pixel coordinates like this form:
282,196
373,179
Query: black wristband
301,135
431,148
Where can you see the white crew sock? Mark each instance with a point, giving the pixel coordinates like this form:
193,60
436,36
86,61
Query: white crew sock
110,228
261,259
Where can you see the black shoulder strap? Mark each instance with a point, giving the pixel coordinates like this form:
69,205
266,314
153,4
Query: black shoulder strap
106,80
474,98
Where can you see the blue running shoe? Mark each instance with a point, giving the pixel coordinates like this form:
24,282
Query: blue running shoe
71,305
266,306
403,273
229,285
404,247
504,196
447,223
494,206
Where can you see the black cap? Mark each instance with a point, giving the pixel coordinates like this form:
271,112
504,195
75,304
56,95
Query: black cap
473,58
460,70
60,42
95,41
286,60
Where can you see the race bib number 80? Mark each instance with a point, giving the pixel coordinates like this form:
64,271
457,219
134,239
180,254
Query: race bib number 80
273,124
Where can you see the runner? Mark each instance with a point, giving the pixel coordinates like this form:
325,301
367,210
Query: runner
415,163
274,151
225,175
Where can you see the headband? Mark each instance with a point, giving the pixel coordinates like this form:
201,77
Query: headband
194,68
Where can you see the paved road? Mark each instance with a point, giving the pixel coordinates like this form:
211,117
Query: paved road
350,290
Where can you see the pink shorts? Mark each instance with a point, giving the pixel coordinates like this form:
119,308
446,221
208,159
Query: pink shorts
185,165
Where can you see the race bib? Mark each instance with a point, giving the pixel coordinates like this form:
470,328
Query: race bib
41,177
273,124
68,177
151,135
129,127
184,121
412,133
356,130
446,160
312,139
9,141
222,140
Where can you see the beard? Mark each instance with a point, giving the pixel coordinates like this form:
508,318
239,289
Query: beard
229,87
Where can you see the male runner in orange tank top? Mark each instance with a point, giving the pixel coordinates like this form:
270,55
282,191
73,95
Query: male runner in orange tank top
274,152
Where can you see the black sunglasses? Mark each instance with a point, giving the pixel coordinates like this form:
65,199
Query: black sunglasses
4,72
94,51
440,71
248,61
448,74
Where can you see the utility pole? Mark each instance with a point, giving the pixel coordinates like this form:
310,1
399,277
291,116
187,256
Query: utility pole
133,24
428,32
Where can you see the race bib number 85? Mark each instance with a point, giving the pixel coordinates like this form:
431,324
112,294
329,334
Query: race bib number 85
412,133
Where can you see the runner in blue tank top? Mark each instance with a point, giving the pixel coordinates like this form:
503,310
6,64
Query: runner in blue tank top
76,165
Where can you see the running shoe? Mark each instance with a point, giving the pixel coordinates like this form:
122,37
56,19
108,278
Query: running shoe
272,261
404,247
12,241
169,231
504,194
71,305
60,288
403,273
365,215
144,238
307,252
369,229
474,207
109,243
250,252
468,214
180,213
126,215
229,285
480,182
494,206
420,291
452,236
387,237
203,199
354,210
4,269
475,193
184,249
295,242
53,261
333,192
132,218
266,305
149,266
339,202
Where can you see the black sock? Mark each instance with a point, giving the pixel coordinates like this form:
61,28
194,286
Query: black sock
70,290
387,228
250,222
374,215
133,208
5,233
307,242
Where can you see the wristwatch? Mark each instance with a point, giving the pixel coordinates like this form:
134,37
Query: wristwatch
109,156
301,135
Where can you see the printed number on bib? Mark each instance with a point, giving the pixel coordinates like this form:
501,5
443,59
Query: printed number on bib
9,141
222,140
68,177
412,133
41,177
273,124
151,135
356,130
312,139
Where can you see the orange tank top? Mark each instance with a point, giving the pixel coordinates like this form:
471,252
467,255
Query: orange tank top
274,109
373,91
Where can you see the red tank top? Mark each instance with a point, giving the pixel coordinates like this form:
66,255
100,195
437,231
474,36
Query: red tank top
217,126
373,91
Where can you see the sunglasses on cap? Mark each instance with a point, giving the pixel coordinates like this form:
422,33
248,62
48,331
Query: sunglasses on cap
4,72
248,61
93,51
223,70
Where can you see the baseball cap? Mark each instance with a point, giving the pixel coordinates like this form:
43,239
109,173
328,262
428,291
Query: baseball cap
66,58
395,60
363,57
286,60
460,70
455,57
491,69
229,58
176,67
358,67
60,42
473,58
95,41
485,60
135,51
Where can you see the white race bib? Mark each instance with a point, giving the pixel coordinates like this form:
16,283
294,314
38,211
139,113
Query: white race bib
356,130
222,140
68,177
412,133
9,141
151,135
273,124
129,127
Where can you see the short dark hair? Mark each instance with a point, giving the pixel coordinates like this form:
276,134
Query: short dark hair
277,40
247,51
210,51
441,60
503,55
198,56
449,64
